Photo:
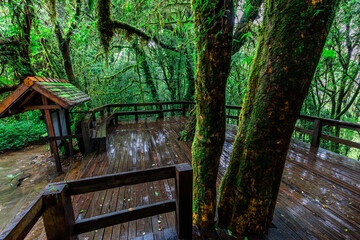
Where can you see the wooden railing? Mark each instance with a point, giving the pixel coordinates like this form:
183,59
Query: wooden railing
55,207
232,116
316,133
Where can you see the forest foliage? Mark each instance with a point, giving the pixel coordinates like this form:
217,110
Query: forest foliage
145,51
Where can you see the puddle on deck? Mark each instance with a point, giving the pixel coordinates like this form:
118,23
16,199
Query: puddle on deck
23,174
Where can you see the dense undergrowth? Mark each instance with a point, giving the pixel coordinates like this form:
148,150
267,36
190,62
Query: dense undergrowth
25,129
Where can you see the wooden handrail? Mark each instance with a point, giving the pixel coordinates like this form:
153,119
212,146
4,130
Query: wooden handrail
160,112
25,222
54,204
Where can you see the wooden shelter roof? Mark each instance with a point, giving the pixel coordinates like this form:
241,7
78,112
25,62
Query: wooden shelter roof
28,96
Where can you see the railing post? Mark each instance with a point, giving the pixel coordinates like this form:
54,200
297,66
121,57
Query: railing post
116,119
238,117
136,116
315,141
161,114
86,137
184,176
102,112
58,215
108,111
184,109
93,121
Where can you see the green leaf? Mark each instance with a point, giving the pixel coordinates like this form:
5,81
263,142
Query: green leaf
91,4
328,53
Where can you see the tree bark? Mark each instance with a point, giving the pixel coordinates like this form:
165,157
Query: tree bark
14,51
279,81
64,41
214,22
146,69
251,13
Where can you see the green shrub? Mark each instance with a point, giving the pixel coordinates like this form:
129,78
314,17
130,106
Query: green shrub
17,132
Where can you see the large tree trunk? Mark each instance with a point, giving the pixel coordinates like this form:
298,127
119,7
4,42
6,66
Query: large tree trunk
14,51
214,23
142,59
280,79
64,40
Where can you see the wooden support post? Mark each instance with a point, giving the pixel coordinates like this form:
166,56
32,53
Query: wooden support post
136,116
108,111
102,112
116,119
68,128
51,132
86,137
161,114
184,109
93,122
58,215
238,117
315,141
184,177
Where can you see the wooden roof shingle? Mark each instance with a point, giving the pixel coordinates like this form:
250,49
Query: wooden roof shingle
60,92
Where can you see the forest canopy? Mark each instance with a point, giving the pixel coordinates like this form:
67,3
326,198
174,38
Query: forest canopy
144,51
276,59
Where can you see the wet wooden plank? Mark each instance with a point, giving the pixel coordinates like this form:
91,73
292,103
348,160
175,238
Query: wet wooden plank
307,186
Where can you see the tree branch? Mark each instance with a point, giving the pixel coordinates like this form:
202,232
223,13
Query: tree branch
133,30
243,27
8,88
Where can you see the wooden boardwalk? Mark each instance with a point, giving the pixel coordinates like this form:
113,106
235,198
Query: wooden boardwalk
319,196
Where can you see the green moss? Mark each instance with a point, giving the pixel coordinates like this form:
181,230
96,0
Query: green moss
105,23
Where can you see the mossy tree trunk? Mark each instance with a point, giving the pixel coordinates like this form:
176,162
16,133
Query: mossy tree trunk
15,50
279,81
142,59
63,40
214,23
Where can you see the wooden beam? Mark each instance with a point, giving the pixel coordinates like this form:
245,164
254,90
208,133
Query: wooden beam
308,132
25,222
13,97
42,107
99,183
66,137
139,112
341,141
28,98
58,216
110,219
51,130
184,183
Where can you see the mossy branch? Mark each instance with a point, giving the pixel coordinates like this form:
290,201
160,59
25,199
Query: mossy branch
244,25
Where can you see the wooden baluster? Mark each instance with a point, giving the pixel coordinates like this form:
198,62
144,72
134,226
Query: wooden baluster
136,116
184,176
102,112
161,114
315,141
93,121
68,127
58,216
108,111
86,137
238,111
51,133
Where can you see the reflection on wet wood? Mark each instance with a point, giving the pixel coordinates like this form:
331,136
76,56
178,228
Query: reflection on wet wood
319,196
